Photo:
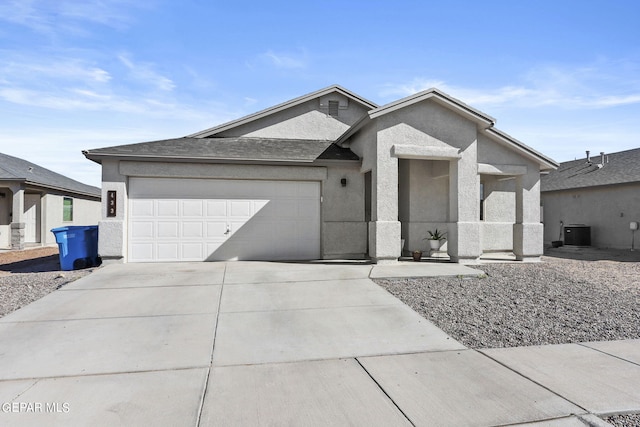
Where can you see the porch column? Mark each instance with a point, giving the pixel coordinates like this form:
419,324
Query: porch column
463,235
384,228
528,230
17,218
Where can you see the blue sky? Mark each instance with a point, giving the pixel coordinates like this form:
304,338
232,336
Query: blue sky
561,76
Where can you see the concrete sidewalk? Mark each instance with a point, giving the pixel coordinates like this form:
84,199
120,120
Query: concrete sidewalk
253,343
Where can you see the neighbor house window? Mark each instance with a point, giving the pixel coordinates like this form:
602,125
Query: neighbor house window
67,209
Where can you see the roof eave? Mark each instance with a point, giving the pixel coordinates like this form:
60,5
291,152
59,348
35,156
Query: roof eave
193,159
546,163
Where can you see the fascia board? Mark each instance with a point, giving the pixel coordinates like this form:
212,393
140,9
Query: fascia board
545,162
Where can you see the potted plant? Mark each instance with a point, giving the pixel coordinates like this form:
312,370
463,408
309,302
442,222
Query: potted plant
435,239
417,255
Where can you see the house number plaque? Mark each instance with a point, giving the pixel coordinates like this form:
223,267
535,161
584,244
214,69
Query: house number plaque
111,203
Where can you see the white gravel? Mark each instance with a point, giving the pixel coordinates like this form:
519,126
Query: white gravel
20,289
517,304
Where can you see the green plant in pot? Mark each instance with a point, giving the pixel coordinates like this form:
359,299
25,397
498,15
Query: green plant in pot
435,239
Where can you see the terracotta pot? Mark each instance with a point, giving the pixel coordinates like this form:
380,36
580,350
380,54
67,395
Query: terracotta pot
416,255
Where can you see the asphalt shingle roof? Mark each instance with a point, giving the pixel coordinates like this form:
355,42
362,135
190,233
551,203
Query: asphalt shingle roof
622,167
240,149
15,169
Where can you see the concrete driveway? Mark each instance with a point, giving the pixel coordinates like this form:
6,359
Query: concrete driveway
253,343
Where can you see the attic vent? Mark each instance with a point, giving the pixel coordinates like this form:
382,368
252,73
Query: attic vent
333,108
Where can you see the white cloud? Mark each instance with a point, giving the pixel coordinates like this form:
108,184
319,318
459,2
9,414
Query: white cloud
68,16
285,60
578,88
23,69
144,72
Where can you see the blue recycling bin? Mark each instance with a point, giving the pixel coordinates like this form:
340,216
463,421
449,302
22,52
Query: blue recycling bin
78,246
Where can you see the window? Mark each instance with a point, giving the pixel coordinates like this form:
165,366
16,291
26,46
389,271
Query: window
67,209
333,108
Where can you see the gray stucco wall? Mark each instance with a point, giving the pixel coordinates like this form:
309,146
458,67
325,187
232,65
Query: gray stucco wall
86,211
607,209
309,120
499,213
423,200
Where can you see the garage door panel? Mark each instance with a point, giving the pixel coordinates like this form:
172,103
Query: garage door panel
142,229
168,251
240,208
192,229
142,207
167,229
216,229
198,219
216,208
192,208
167,208
142,252
192,252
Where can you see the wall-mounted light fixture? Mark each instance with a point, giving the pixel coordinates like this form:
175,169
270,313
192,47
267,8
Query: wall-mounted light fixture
343,182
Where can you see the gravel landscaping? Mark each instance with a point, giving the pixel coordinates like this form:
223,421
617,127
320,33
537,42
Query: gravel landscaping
28,275
518,304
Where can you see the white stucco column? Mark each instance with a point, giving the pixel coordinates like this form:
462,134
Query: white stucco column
463,235
112,237
17,218
528,230
384,228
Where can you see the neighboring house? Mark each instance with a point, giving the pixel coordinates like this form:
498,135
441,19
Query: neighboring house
602,192
327,175
33,200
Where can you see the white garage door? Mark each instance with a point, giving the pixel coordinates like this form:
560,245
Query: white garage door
206,219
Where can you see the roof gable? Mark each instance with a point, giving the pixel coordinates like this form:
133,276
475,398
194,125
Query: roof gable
484,121
439,97
281,107
16,169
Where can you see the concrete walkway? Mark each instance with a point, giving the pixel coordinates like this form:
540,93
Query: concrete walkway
253,343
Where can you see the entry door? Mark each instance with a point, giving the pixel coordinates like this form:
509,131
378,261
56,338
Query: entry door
207,219
31,218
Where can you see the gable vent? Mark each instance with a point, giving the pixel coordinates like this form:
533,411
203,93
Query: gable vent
333,108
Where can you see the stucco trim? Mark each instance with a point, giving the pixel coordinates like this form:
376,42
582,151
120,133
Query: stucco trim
406,151
487,169
222,171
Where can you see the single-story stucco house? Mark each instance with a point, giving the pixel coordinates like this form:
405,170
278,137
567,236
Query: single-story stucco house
600,192
33,200
328,175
